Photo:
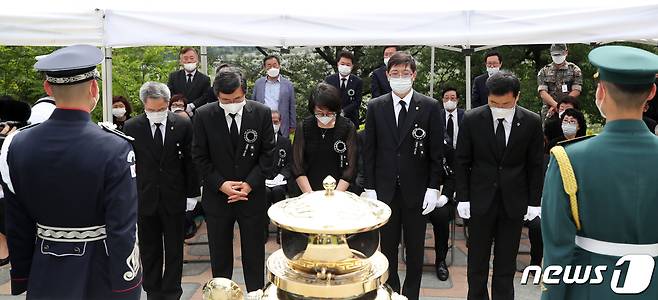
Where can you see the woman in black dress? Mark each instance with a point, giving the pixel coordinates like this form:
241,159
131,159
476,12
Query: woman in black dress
325,143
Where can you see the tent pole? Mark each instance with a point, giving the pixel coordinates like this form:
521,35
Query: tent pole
107,84
204,60
432,74
467,53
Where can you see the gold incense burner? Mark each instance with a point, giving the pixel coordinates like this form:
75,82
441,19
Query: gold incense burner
329,242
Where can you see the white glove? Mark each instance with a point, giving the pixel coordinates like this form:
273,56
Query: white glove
464,210
443,200
371,194
191,203
532,213
430,201
255,295
279,178
189,109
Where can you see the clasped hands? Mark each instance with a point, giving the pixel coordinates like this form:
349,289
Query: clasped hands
235,190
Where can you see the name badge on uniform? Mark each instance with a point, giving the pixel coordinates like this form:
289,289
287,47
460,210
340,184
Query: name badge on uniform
565,88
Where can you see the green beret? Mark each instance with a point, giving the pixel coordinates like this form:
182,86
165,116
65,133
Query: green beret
625,65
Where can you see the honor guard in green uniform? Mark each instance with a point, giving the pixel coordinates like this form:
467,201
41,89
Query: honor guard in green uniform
600,201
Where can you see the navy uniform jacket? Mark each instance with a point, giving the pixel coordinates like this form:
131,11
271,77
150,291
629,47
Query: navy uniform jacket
71,210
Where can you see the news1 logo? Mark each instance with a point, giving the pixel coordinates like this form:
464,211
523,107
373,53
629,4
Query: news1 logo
637,279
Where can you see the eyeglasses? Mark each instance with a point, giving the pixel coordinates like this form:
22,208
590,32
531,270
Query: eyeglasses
329,114
396,74
572,122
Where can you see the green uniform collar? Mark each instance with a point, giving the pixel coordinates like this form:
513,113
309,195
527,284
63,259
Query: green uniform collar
625,126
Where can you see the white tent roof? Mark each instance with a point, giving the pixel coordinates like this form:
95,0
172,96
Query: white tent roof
121,23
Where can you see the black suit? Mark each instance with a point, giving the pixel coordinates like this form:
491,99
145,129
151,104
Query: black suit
164,180
218,161
480,94
442,216
196,93
379,84
401,177
350,96
499,188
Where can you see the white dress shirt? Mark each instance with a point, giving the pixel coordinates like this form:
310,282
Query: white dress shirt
507,124
187,73
340,80
238,119
163,129
396,103
455,125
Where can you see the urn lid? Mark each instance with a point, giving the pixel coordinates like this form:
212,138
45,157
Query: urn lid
329,212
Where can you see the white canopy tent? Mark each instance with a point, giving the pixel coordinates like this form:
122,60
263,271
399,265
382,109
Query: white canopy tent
462,24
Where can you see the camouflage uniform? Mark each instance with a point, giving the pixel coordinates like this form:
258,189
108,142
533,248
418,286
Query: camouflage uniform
551,78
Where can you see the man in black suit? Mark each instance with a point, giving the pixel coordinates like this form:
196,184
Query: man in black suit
403,155
451,116
165,178
349,85
282,157
499,180
379,84
189,81
493,61
232,148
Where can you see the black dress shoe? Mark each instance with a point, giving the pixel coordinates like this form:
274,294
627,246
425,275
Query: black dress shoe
442,271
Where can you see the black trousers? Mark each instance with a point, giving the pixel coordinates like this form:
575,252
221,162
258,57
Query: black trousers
496,227
275,194
220,241
536,241
152,229
440,219
411,223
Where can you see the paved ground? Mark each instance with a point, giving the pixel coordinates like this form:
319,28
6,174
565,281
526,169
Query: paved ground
195,274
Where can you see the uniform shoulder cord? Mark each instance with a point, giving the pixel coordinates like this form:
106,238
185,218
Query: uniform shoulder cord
568,180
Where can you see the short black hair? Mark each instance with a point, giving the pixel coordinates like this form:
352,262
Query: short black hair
346,54
401,58
502,83
186,49
228,80
582,123
628,95
493,53
270,57
326,96
449,88
390,46
570,100
221,67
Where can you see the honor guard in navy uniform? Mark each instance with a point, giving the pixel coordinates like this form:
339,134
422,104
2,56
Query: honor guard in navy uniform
71,194
598,204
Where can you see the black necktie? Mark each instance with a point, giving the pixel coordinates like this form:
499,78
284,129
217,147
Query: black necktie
500,137
343,85
450,130
188,83
157,138
402,116
235,136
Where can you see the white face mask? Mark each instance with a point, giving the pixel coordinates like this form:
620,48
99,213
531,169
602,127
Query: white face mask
450,105
177,109
273,72
156,117
502,113
569,129
344,70
401,85
558,59
232,108
325,120
189,67
492,71
276,127
386,60
118,112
